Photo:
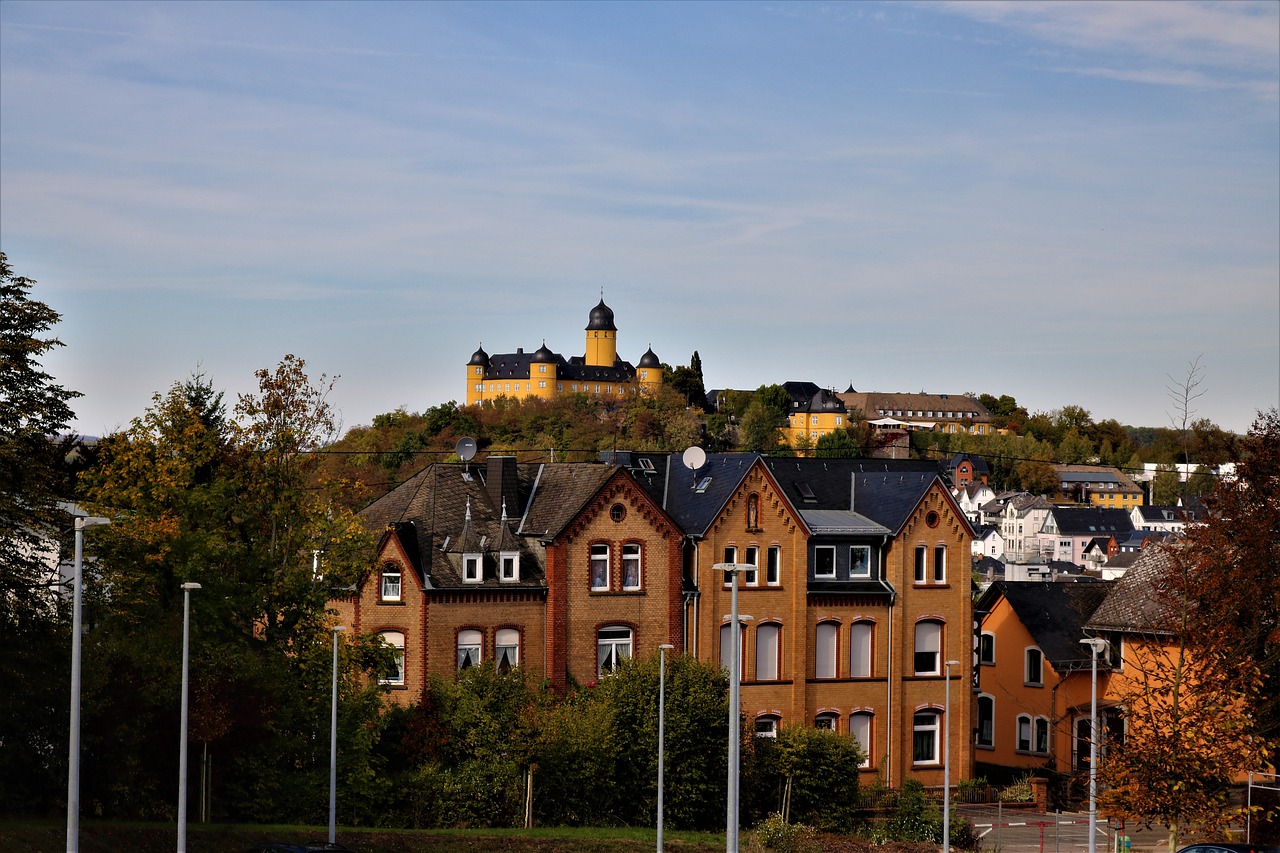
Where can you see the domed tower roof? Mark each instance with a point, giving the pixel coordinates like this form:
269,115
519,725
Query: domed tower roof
543,354
479,357
649,359
601,318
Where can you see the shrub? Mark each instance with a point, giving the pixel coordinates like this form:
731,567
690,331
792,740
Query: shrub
774,833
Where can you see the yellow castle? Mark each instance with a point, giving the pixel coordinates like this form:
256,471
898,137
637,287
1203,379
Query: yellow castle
545,374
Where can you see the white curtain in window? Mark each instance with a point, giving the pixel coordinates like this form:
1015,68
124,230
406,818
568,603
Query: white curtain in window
860,650
825,658
860,728
767,653
469,648
506,648
395,638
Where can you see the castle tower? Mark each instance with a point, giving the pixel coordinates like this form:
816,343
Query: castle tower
602,337
649,372
542,372
476,370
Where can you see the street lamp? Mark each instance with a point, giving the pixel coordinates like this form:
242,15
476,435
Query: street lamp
182,736
73,738
662,707
333,741
1096,645
735,689
946,761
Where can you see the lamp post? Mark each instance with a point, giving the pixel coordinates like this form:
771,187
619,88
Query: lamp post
662,708
73,736
735,689
946,761
1096,645
182,735
333,741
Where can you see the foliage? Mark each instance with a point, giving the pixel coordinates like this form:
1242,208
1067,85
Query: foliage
1017,792
33,410
809,769
775,833
225,503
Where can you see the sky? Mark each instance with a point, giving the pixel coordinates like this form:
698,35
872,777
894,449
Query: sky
1070,203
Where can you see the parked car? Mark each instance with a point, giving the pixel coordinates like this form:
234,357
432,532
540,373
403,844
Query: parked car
1225,847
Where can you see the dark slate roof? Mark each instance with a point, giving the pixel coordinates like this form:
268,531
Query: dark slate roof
695,498
649,359
1123,560
1055,615
1091,521
979,464
840,521
445,510
516,365
479,357
884,490
1135,603
559,493
601,318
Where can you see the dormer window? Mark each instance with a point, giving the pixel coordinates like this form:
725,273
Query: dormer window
472,568
390,590
509,566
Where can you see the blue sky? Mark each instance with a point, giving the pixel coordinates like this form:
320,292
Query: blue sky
1066,202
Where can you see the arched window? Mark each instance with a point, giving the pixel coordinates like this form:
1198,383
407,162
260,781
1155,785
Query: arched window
390,590
767,636
600,566
469,642
1023,743
824,659
726,650
506,648
860,635
1041,743
613,646
395,676
1035,667
631,565
831,722
928,648
986,734
924,737
860,728
767,726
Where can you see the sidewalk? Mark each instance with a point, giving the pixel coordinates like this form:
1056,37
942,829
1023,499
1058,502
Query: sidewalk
1022,831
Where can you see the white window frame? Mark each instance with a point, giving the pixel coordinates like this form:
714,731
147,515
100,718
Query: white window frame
1022,733
472,568
985,739
768,651
396,639
751,557
613,645
828,721
861,642
506,641
632,565
1040,735
471,643
1029,654
601,557
860,727
939,564
826,648
925,722
386,589
731,557
865,550
509,566
928,641
773,566
767,726
922,568
824,549
987,642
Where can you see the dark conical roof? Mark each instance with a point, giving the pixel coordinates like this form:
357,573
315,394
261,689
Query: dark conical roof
543,354
479,357
649,359
601,318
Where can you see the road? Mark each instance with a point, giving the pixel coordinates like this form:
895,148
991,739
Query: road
1032,832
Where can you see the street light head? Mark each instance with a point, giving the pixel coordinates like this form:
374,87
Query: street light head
953,663
1096,644
666,647
336,628
191,586
83,521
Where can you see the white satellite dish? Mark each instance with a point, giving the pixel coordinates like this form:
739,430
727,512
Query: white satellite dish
465,448
694,458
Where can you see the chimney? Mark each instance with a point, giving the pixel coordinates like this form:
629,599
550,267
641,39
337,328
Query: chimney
502,484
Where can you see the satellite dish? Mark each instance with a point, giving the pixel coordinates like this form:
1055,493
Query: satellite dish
465,448
694,458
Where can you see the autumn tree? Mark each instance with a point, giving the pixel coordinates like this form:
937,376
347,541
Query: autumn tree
226,502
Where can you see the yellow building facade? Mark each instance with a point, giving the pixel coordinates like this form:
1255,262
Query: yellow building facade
544,374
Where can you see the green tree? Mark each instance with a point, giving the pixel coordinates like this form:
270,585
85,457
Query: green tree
759,430
837,444
34,409
1166,487
1075,448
